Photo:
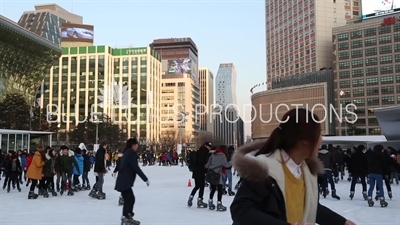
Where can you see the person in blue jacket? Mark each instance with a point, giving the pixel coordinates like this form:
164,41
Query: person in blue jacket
22,159
78,171
128,169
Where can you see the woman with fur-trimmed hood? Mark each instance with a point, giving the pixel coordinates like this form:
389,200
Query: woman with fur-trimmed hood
279,176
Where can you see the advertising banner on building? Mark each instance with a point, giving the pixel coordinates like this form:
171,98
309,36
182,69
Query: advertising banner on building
71,32
179,66
375,8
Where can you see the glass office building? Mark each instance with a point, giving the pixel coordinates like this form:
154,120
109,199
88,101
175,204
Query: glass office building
123,83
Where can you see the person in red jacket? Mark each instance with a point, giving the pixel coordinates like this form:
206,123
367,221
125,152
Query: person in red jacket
28,163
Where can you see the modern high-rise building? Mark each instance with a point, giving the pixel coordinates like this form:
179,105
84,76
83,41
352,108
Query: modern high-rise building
123,83
299,34
180,96
46,21
180,92
225,85
206,81
229,128
367,70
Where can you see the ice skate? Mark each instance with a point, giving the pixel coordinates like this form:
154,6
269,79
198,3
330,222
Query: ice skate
334,195
377,196
87,187
45,193
120,201
129,221
190,201
40,192
390,195
211,205
325,193
100,195
92,193
383,202
53,193
336,180
19,189
349,179
351,195
58,188
224,192
70,193
365,196
32,195
231,193
370,202
201,204
220,207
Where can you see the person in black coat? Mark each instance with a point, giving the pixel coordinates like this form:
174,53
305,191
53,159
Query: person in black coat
359,170
86,170
127,171
13,166
386,175
376,167
198,174
100,171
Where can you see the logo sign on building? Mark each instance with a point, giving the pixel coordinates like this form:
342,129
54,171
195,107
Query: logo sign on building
390,20
376,8
129,51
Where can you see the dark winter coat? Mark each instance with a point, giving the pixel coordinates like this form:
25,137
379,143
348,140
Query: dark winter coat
326,157
64,163
9,165
377,163
49,166
86,161
260,198
199,170
229,158
359,164
99,163
128,170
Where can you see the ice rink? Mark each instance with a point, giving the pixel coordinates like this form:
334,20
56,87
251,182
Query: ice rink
164,203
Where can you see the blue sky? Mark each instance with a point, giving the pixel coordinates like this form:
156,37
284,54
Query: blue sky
223,30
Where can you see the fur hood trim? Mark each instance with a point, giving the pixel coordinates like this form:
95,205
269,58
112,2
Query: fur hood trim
71,153
120,155
257,168
48,157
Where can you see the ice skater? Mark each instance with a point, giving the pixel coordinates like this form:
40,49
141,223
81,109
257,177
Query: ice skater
129,167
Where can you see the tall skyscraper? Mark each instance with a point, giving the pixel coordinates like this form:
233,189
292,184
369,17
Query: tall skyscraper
206,81
180,93
299,34
46,21
225,84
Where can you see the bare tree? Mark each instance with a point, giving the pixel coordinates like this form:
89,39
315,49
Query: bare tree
170,139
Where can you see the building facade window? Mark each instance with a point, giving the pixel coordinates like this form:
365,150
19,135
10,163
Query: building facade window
385,49
358,83
343,55
344,84
343,37
372,101
387,90
370,51
385,29
388,100
358,92
357,63
343,46
385,59
370,42
356,34
371,61
370,32
357,73
344,65
356,54
372,91
344,74
387,80
385,39
356,44
372,81
371,71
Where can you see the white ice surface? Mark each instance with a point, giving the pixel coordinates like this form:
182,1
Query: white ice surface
164,203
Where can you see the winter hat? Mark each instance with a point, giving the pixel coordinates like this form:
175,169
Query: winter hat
78,151
62,147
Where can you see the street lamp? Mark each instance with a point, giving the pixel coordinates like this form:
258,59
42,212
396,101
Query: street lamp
99,119
182,120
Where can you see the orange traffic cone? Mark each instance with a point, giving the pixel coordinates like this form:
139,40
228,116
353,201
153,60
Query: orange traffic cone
189,183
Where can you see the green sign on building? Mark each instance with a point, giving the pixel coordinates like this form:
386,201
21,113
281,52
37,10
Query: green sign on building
129,51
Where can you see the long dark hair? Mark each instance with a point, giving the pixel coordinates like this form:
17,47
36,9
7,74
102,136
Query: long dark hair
298,125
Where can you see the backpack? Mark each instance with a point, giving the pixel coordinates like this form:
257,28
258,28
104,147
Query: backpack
192,160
